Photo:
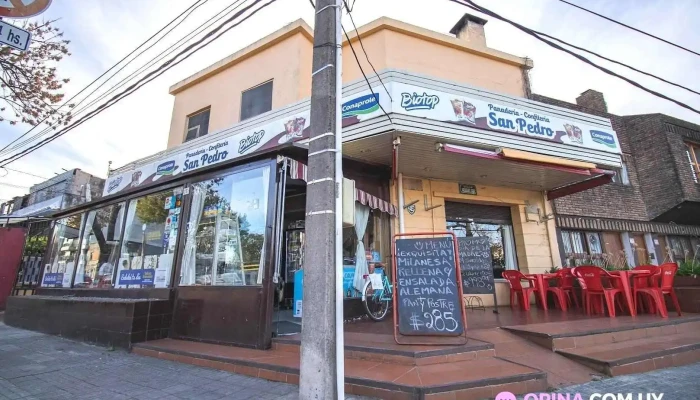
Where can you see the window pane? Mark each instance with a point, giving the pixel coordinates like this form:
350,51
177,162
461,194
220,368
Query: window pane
100,247
503,254
256,101
226,230
594,245
197,125
149,240
624,176
566,241
64,248
577,242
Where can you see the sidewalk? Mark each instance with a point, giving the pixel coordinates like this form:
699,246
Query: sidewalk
38,366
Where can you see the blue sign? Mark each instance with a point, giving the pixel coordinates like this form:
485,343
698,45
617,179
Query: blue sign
348,288
361,105
603,138
415,101
348,279
166,168
53,279
136,277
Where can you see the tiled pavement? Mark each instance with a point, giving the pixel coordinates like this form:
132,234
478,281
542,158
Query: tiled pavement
38,366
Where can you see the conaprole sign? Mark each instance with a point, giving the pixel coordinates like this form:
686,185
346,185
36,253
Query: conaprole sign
428,296
15,37
22,8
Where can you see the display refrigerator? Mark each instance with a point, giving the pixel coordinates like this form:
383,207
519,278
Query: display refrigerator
294,259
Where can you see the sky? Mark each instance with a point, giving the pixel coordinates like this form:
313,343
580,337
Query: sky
104,31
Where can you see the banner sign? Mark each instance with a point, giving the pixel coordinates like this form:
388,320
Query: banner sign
405,99
143,277
53,279
484,114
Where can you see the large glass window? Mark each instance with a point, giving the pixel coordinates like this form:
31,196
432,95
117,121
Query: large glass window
63,251
150,236
585,248
226,230
500,236
99,251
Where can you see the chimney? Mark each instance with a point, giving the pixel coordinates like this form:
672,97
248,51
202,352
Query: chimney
470,28
592,100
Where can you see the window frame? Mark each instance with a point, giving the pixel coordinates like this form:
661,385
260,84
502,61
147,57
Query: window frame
694,152
187,124
567,234
49,254
240,111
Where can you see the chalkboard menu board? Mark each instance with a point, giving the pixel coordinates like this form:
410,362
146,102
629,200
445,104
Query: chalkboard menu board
475,265
428,301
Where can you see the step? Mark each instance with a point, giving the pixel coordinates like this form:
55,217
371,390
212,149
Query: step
604,330
473,379
639,355
383,348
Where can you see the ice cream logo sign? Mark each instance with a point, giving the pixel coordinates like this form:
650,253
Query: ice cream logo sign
114,184
293,130
414,101
205,156
362,105
250,141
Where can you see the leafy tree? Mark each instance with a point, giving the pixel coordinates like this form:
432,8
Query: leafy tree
29,85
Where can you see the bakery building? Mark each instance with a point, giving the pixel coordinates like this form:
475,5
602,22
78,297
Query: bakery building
205,240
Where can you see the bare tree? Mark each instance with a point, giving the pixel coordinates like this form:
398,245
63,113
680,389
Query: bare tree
29,86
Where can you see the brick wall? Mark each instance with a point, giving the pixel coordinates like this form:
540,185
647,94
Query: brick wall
614,200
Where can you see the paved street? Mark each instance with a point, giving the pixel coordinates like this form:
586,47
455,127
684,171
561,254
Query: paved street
38,366
679,383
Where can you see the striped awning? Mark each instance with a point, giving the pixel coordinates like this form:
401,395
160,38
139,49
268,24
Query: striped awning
299,170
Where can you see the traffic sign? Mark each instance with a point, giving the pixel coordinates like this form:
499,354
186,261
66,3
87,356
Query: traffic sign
22,8
15,37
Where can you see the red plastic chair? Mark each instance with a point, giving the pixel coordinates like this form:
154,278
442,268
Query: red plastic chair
591,279
564,289
514,279
645,282
663,285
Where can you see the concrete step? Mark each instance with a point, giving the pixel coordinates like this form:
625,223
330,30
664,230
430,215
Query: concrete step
638,355
472,379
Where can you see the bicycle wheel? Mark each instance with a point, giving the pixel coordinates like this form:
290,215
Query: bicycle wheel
376,305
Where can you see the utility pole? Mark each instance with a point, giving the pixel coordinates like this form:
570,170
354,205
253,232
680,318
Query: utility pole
322,356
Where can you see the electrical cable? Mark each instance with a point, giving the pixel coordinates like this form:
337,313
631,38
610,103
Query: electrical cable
182,41
106,72
146,79
124,80
470,4
363,48
630,27
22,172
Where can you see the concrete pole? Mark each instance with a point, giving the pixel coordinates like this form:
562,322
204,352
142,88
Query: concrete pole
319,346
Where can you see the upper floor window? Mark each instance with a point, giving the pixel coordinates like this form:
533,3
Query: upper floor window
256,101
694,158
197,125
621,175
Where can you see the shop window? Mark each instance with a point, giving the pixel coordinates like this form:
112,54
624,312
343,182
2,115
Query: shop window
583,248
99,251
681,248
256,101
150,236
63,251
225,241
503,255
694,159
197,125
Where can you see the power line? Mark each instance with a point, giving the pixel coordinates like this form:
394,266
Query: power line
363,47
182,41
105,73
22,172
13,186
530,32
146,79
630,27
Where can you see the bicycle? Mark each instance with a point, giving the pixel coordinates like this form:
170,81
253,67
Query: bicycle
377,302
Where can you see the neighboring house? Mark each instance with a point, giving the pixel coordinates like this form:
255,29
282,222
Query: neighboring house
651,213
71,188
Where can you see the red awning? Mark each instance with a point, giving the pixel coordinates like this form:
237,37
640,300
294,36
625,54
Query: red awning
604,177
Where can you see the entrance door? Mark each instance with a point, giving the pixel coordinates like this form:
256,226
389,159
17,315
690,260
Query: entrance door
639,249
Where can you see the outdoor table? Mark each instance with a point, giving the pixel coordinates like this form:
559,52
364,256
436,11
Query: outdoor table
541,283
625,276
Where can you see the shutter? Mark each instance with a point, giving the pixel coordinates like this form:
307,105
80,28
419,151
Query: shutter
477,212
